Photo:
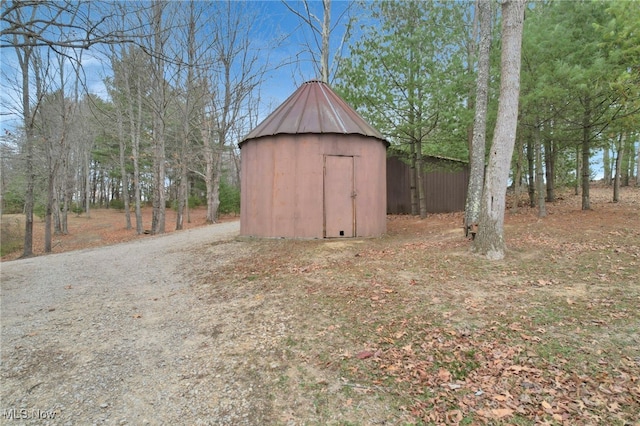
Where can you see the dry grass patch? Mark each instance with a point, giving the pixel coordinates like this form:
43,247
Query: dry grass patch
412,328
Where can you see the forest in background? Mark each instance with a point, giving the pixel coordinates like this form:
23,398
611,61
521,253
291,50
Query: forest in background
413,77
185,84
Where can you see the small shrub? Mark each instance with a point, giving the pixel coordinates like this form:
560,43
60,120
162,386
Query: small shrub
193,203
77,209
40,210
229,199
117,204
11,235
13,202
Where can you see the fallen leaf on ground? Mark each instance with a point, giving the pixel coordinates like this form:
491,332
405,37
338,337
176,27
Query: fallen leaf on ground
364,354
499,413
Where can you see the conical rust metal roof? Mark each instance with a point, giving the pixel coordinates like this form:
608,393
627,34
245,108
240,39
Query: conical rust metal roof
313,108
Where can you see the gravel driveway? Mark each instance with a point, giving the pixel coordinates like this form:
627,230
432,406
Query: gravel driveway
118,335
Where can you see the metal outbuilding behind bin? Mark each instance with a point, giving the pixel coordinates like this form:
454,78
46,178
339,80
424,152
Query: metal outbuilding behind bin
313,169
445,184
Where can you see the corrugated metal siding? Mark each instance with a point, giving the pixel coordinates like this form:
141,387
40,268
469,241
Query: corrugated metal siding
284,170
446,190
283,185
398,187
313,108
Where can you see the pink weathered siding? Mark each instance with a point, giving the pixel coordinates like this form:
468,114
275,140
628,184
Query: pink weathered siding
283,184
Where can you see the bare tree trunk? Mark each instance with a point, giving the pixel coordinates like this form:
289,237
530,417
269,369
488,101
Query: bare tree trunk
48,208
617,169
63,203
326,30
158,97
586,154
413,180
531,180
58,202
490,238
135,129
576,188
606,161
24,60
422,196
87,184
123,168
187,208
159,115
54,142
182,196
232,48
69,189
550,156
321,28
477,152
542,208
210,166
187,116
472,59
217,175
626,168
236,163
517,179
638,167
57,152
415,131
71,158
28,197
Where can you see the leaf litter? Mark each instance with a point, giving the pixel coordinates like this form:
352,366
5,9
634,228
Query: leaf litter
548,336
412,328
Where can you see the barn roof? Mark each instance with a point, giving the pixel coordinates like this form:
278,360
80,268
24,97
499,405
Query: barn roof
313,108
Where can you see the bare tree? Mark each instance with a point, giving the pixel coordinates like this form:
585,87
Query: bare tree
80,135
54,120
85,131
321,31
122,151
490,237
159,102
25,45
231,84
127,87
29,25
192,97
56,25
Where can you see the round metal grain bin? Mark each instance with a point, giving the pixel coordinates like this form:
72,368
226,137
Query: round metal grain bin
313,169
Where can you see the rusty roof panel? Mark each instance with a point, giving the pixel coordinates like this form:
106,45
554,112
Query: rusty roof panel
313,108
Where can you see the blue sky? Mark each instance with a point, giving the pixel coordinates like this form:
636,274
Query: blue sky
275,22
279,22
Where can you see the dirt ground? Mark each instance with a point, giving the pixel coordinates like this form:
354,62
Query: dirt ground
102,227
204,327
107,226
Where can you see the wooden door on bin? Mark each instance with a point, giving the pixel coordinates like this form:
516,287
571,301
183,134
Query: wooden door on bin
339,197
